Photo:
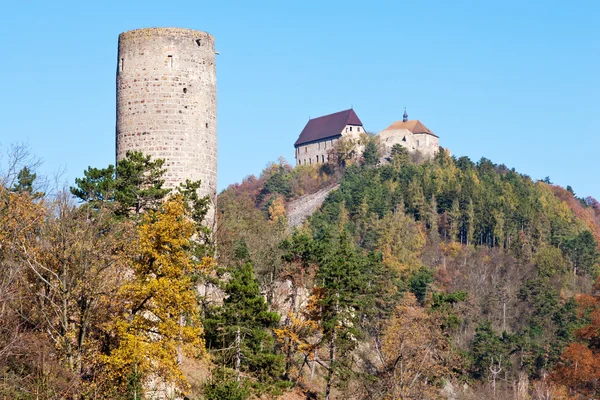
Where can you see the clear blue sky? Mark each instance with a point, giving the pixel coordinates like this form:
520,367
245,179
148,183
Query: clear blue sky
514,81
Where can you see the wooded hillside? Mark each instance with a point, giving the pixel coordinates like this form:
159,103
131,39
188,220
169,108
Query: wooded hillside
441,279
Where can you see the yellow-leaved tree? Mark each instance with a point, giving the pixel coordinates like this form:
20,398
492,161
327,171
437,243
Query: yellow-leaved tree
161,320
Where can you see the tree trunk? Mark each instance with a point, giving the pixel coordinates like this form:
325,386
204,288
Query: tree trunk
238,353
331,364
313,364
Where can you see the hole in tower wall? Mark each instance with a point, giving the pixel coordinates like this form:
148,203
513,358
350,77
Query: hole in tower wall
121,62
184,90
199,42
206,125
170,61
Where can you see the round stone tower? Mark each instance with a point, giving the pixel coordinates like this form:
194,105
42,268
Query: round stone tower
167,103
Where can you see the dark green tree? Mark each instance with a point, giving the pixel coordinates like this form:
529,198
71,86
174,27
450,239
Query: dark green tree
134,185
138,184
239,330
25,179
582,250
489,351
197,208
419,283
399,155
96,186
342,283
370,154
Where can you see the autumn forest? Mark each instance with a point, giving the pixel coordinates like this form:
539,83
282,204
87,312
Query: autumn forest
415,279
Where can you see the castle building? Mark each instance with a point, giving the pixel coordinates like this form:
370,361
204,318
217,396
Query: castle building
322,133
167,103
412,134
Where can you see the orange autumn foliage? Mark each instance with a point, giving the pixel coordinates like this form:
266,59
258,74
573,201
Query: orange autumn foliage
579,366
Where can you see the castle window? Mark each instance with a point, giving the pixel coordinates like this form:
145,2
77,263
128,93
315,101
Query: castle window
417,143
322,158
310,161
358,128
306,149
121,64
199,42
184,90
170,61
206,125
317,160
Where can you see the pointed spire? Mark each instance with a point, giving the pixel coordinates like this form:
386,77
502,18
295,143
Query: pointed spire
405,116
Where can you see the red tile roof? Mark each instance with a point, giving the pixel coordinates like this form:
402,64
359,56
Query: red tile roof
327,126
415,126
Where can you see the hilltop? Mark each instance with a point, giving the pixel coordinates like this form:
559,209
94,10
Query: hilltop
497,267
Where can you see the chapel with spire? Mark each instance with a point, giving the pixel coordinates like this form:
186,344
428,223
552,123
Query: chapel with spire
412,134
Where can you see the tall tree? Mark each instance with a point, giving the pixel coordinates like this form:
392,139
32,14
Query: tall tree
340,285
239,329
160,321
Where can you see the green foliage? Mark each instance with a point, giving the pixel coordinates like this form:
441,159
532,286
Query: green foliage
419,283
97,185
197,207
339,276
25,179
278,183
223,385
444,303
399,155
549,262
370,154
242,324
582,250
134,185
473,241
138,184
488,350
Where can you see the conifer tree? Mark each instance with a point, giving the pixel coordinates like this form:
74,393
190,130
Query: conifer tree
136,184
239,330
470,222
340,286
25,179
370,154
455,217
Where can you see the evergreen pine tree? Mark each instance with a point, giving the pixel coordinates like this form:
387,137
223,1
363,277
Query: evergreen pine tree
370,155
240,329
25,180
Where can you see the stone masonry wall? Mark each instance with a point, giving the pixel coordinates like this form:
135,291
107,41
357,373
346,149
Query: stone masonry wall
316,153
303,207
167,103
424,143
